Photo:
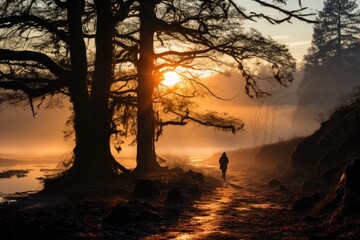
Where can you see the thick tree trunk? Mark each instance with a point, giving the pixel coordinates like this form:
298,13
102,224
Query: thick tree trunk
101,86
146,158
77,86
93,161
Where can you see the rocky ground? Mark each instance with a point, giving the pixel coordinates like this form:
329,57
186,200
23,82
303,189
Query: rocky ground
174,205
89,212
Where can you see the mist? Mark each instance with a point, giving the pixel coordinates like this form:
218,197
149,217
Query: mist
268,119
283,115
24,135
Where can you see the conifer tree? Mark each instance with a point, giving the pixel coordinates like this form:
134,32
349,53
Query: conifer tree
331,64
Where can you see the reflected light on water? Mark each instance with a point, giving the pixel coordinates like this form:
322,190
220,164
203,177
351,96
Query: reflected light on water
241,209
31,182
198,161
228,207
207,221
265,206
204,221
184,237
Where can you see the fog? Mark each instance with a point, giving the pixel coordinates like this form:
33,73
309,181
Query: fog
266,120
25,135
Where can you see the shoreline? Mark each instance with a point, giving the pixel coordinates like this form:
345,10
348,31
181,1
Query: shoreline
82,211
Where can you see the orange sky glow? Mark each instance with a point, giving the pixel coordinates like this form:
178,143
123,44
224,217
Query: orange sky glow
21,134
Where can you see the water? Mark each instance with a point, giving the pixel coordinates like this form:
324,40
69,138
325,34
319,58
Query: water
199,162
30,183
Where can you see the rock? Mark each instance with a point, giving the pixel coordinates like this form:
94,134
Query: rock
351,200
174,196
306,203
12,173
274,183
145,188
132,212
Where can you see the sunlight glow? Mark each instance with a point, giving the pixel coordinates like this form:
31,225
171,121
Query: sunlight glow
170,79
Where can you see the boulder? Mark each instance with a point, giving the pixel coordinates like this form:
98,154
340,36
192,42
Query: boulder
274,183
174,196
145,188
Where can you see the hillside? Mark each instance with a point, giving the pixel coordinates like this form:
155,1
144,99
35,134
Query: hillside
329,162
278,153
264,157
333,145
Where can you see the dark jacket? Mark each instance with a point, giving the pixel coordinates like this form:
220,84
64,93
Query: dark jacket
223,161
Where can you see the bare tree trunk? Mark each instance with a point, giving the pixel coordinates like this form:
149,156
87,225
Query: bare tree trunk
92,157
100,90
77,86
146,157
104,165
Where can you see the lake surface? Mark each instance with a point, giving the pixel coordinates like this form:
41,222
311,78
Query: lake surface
32,182
29,183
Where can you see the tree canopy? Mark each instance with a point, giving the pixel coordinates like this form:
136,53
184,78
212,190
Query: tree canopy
193,38
109,58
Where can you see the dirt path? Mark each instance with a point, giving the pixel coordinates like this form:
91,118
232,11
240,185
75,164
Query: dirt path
239,209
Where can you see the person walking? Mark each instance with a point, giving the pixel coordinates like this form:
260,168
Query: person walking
223,161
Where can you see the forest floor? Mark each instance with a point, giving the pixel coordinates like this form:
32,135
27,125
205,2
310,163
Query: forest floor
242,207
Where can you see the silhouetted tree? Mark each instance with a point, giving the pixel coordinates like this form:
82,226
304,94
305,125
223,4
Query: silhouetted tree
44,54
128,49
331,64
190,38
337,30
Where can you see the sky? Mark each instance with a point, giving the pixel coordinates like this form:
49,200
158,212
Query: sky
296,35
23,135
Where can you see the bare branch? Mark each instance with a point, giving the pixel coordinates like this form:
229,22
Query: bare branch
33,92
33,21
36,57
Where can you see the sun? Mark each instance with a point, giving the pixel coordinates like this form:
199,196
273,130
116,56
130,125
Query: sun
170,79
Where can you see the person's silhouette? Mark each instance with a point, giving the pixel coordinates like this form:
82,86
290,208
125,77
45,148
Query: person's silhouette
223,164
